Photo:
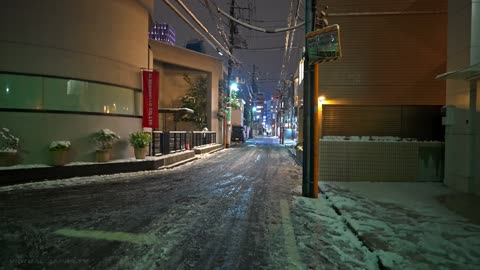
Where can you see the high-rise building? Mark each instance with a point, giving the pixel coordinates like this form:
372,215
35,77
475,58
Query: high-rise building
162,32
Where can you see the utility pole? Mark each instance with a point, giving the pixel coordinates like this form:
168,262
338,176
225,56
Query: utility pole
252,102
311,117
229,73
254,78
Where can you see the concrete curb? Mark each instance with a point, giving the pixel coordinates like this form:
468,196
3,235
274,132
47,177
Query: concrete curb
207,149
171,166
293,154
26,175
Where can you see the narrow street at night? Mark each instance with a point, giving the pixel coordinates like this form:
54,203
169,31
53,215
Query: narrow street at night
227,211
240,134
238,208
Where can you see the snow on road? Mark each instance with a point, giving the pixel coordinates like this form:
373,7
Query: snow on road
325,240
239,208
404,225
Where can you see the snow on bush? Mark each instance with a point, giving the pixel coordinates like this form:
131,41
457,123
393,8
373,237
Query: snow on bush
8,142
59,145
105,138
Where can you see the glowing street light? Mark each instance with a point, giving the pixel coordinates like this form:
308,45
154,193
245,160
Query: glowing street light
234,87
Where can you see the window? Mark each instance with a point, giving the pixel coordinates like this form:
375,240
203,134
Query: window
46,93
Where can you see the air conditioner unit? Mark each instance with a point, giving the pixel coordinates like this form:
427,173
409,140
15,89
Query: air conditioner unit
448,115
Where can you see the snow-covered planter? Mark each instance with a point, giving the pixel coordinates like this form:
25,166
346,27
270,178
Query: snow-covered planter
58,150
104,140
59,146
9,145
8,142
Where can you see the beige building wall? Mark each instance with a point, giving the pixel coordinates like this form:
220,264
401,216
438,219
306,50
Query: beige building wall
392,51
37,130
94,41
462,138
104,41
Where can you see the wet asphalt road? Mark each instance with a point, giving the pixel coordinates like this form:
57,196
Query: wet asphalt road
225,211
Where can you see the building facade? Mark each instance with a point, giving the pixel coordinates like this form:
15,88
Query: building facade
162,32
385,81
381,107
65,76
462,117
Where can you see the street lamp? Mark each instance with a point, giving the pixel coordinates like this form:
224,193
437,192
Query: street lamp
233,87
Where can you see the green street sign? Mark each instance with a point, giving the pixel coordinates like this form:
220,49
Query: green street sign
229,115
324,44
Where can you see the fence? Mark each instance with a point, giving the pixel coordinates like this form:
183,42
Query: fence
166,142
202,137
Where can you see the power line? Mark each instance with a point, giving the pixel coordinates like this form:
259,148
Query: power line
169,4
269,49
260,29
203,27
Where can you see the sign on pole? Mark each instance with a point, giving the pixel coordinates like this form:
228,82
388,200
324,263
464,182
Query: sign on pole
229,115
324,44
150,98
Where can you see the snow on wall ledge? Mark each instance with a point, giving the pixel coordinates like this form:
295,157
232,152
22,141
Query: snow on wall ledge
374,160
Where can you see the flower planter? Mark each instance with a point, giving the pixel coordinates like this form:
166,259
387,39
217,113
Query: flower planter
8,158
59,157
102,155
140,153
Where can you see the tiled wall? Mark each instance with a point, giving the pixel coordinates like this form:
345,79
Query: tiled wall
380,161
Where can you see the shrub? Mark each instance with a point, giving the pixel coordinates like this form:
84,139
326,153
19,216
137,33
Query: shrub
105,138
59,145
140,139
8,142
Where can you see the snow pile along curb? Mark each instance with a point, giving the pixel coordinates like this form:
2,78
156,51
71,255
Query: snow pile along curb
407,236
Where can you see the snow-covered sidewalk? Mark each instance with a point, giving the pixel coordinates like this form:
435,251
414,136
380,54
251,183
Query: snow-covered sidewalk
408,225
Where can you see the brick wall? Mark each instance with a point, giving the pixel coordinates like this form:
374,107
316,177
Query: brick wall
392,51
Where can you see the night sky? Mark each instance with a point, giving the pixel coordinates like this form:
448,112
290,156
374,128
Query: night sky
267,14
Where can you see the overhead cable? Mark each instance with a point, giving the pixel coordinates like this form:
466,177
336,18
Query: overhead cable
268,49
256,28
205,29
288,41
387,13
169,4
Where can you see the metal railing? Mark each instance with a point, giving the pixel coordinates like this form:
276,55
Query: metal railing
177,141
202,137
167,142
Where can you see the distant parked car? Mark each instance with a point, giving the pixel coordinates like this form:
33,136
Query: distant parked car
238,134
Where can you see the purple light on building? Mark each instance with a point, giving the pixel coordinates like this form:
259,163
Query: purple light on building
162,32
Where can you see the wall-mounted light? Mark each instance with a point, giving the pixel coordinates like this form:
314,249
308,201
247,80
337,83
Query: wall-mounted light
321,100
7,90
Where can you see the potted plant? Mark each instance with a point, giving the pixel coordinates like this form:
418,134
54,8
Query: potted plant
139,141
8,148
104,140
58,149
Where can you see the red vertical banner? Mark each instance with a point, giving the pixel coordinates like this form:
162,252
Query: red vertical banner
150,98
